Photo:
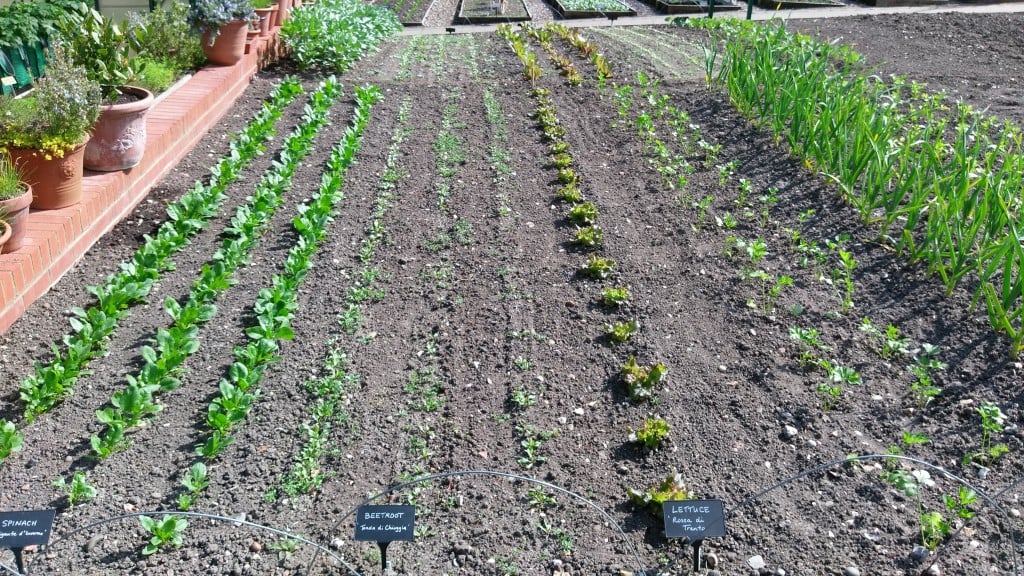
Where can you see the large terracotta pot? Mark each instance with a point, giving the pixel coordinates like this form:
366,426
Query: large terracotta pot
119,137
56,182
229,47
16,214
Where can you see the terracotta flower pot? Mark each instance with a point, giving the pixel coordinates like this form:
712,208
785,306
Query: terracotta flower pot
266,19
56,182
119,137
229,46
283,10
16,214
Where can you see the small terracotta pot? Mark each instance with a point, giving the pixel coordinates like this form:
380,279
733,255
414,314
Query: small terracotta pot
283,11
16,215
229,46
266,19
56,182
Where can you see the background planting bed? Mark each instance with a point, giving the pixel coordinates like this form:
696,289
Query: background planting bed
479,333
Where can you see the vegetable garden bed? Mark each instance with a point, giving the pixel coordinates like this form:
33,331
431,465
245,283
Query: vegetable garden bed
491,11
539,260
691,6
591,8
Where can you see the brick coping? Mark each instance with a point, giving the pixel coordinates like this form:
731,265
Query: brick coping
57,239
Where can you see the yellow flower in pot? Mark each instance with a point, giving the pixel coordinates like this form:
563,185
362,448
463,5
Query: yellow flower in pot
45,132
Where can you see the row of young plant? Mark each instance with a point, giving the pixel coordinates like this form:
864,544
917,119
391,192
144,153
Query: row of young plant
52,382
834,265
164,363
274,308
332,35
331,390
277,304
641,380
943,185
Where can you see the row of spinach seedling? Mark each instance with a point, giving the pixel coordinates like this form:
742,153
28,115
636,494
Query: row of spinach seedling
274,308
52,382
163,363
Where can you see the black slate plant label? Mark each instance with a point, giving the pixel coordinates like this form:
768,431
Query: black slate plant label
26,528
385,523
694,519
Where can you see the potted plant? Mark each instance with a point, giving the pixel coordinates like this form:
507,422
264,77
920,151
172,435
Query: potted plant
265,10
105,51
45,132
223,24
15,197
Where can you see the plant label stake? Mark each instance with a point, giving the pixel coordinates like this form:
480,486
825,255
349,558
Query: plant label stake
25,528
384,525
694,520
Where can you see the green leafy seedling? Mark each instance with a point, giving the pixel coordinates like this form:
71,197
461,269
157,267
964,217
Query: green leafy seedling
583,213
652,434
672,488
598,267
78,490
642,381
620,332
10,439
615,296
168,531
589,237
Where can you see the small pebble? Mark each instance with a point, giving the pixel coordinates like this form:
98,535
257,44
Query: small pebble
851,571
755,562
918,553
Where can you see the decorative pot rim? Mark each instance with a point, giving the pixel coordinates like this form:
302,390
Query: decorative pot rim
7,233
21,200
145,102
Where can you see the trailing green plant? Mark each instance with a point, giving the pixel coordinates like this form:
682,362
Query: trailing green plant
167,532
642,381
78,490
673,487
332,35
652,434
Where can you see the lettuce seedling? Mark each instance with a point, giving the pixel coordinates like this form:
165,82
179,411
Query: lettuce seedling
615,296
641,381
672,488
583,214
619,332
598,267
652,434
78,490
589,237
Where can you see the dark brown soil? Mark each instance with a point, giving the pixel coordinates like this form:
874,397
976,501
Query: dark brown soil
483,291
